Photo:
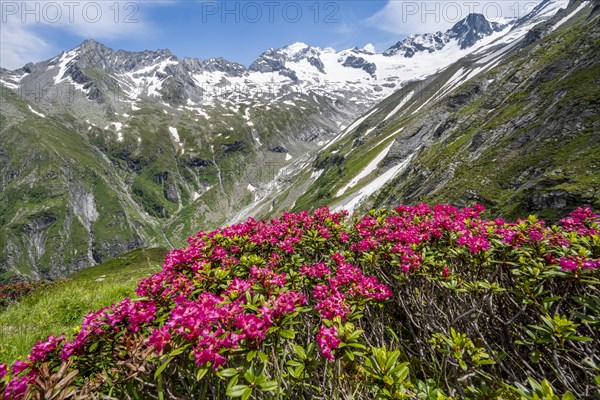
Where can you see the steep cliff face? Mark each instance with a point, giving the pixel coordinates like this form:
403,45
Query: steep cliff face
60,207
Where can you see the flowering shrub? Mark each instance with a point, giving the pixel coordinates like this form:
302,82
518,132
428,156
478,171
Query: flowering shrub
307,306
12,292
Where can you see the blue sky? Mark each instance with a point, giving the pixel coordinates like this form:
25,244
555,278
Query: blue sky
236,30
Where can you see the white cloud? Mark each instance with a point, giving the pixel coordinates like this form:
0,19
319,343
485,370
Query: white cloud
22,23
404,17
18,46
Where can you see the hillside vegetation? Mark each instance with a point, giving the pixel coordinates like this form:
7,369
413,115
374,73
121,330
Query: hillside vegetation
415,302
59,306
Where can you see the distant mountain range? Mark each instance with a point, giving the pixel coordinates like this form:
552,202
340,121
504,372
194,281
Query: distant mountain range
103,150
94,70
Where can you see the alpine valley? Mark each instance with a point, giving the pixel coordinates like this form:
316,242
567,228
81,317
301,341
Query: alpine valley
103,151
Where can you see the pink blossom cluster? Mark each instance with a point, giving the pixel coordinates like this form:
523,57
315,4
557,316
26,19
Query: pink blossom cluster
41,350
582,221
219,323
18,385
340,289
110,320
328,339
573,263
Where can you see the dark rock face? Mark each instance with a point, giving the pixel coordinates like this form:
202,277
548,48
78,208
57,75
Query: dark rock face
360,63
317,63
278,149
107,250
274,60
414,44
461,99
479,138
269,61
556,199
472,29
171,193
77,74
173,92
40,223
290,74
198,162
237,146
222,65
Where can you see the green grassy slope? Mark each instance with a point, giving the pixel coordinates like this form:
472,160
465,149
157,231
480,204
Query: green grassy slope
60,308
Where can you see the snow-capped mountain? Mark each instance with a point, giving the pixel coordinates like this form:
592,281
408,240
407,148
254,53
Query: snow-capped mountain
110,150
93,72
465,34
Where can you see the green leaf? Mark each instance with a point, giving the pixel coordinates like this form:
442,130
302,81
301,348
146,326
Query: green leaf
237,390
357,345
229,372
288,334
580,338
249,375
268,386
232,382
355,335
177,351
391,360
162,368
262,356
349,354
161,393
547,389
300,351
201,373
535,356
247,393
294,363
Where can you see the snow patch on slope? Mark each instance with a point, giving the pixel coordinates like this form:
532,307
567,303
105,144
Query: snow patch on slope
404,100
374,186
64,62
174,134
571,15
368,170
39,114
9,85
349,129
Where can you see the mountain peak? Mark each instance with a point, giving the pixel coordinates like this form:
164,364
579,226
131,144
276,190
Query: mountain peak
91,45
473,28
296,47
465,32
369,47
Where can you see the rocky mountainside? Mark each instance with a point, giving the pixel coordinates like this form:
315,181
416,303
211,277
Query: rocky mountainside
514,127
106,150
465,34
